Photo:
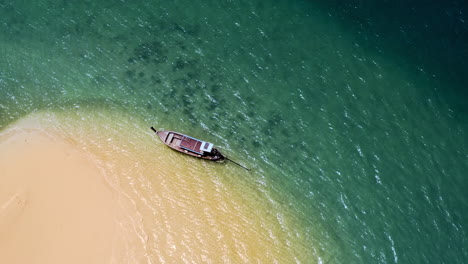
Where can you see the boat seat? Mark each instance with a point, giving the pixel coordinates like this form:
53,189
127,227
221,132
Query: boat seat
169,138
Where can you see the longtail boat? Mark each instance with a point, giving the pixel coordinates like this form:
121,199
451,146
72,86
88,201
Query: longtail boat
192,146
189,145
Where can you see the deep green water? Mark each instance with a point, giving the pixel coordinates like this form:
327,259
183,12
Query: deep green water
354,115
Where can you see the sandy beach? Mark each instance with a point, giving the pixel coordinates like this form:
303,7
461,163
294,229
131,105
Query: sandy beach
77,189
55,205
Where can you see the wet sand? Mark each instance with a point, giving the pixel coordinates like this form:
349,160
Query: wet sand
55,205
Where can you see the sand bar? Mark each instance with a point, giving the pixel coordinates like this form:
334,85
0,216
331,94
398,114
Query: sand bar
76,188
55,205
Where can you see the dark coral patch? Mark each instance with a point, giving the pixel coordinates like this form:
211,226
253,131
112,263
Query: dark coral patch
150,52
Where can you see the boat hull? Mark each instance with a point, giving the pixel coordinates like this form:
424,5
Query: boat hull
189,146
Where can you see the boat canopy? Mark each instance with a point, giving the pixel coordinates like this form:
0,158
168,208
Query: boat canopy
206,147
195,145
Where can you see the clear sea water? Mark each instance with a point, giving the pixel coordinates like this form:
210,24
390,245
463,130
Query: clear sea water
352,115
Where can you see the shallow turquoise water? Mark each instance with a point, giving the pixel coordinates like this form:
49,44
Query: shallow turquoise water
350,124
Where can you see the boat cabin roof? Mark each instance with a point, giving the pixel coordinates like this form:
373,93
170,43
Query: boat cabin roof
195,145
